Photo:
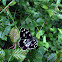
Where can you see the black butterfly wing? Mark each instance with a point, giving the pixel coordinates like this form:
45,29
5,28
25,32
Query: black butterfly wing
33,43
20,43
25,34
30,44
27,41
24,43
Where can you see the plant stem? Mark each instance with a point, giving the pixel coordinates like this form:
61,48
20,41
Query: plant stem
9,11
6,6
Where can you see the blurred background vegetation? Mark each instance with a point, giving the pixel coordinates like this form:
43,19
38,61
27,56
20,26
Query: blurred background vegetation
44,20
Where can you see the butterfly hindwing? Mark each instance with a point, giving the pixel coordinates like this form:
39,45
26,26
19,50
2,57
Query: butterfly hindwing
33,43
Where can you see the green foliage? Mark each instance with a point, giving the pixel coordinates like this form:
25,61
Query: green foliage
36,55
19,54
4,2
2,54
8,55
12,3
52,57
40,33
4,28
44,20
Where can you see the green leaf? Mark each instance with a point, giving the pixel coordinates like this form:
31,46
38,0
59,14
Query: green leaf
46,45
52,57
28,20
34,23
14,34
7,30
40,43
50,11
58,2
53,29
61,55
58,57
2,54
4,2
9,13
60,30
0,34
8,55
33,33
40,20
3,37
45,7
44,39
1,43
19,54
50,36
36,14
36,55
59,37
4,19
59,16
13,3
40,33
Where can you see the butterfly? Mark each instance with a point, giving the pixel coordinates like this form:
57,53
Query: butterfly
27,40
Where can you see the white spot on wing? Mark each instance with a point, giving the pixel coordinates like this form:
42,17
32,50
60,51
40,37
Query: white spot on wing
28,44
26,32
29,34
34,40
23,35
25,41
21,28
24,29
31,44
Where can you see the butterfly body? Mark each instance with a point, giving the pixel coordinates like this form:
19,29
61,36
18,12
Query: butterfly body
27,40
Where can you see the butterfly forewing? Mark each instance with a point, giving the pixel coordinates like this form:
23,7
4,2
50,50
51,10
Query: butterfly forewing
25,34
